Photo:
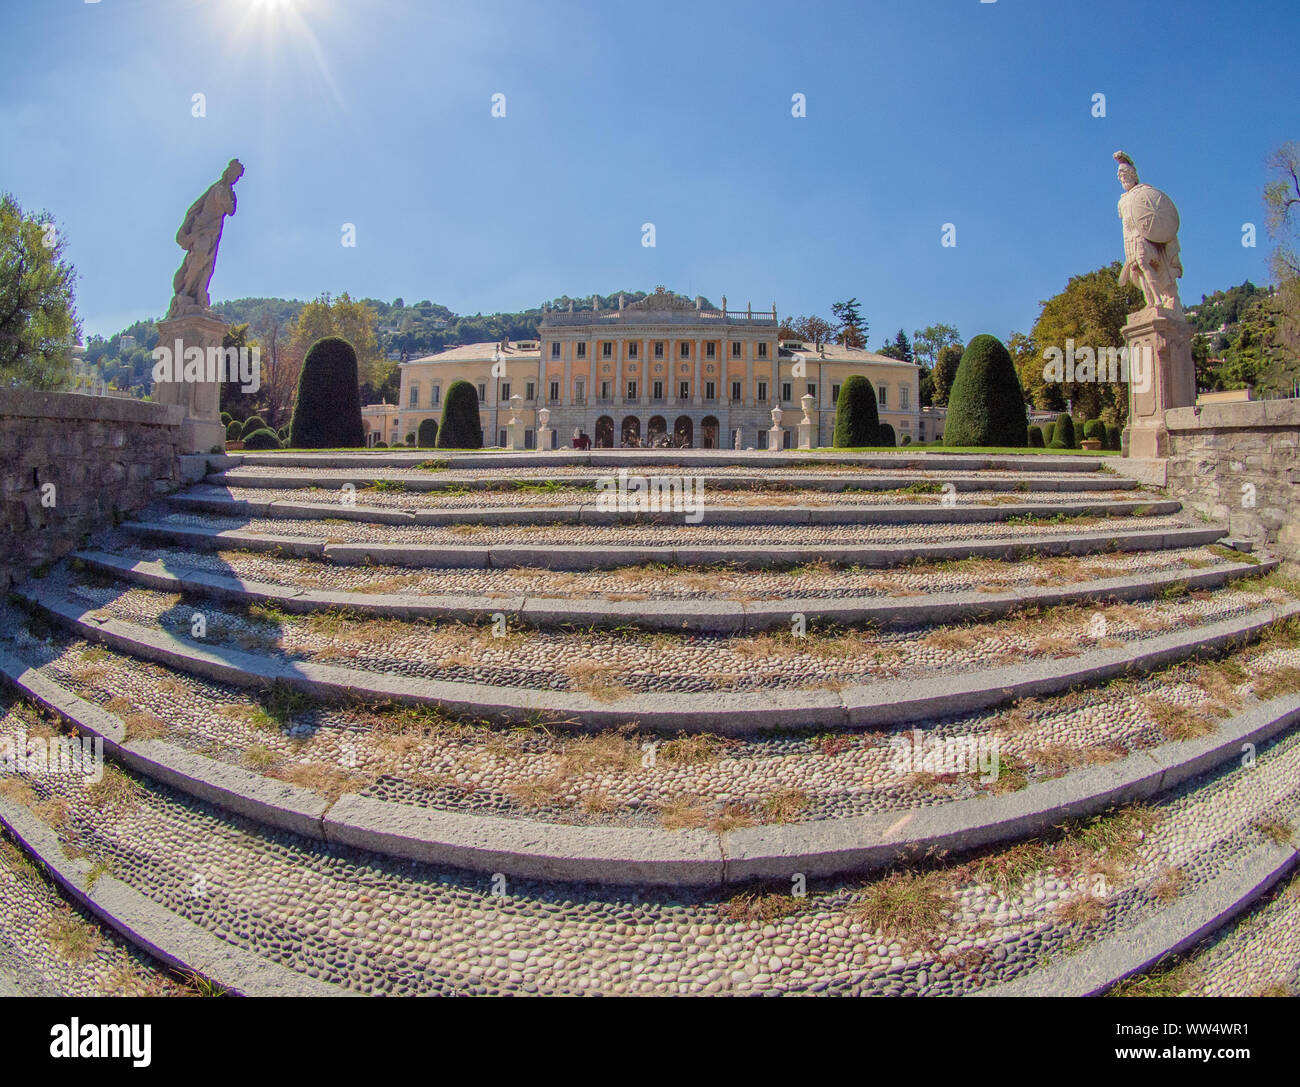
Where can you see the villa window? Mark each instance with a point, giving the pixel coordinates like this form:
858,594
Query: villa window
606,350
659,349
684,390
530,391
658,388
582,350
632,350
882,396
555,391
762,350
555,349
505,390
762,392
436,398
685,349
904,398
415,397
735,390
785,392
604,390
710,391
710,350
580,391
735,349
631,390
835,394
482,392
812,389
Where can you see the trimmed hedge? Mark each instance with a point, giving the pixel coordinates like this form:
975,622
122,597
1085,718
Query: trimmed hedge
234,430
253,424
906,439
1114,437
226,418
327,408
885,435
262,439
987,405
1063,433
1094,430
857,418
460,427
427,434
1036,437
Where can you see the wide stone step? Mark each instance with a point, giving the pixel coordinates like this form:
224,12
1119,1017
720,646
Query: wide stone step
676,615
669,512
1017,543
843,704
628,458
333,916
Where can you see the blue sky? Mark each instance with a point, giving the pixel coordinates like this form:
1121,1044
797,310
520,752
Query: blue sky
378,113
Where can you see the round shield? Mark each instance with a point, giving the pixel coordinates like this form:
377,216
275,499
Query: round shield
1153,213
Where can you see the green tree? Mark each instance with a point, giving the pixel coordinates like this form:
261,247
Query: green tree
38,319
857,416
928,342
1063,432
945,372
986,406
851,329
327,409
900,349
460,427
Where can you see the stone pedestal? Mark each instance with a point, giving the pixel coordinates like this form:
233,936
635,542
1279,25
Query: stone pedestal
776,436
545,432
1161,376
515,428
806,423
193,342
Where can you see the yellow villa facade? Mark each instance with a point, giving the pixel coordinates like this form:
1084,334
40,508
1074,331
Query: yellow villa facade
659,371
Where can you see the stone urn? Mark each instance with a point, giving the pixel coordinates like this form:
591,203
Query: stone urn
516,404
776,417
807,401
543,417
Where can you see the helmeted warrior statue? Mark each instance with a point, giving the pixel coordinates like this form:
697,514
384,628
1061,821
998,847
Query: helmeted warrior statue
199,236
1151,259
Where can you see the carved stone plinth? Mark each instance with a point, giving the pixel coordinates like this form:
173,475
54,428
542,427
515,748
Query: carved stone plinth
1161,376
198,336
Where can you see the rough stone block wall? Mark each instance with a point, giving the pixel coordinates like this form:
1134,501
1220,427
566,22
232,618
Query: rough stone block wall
71,464
1237,463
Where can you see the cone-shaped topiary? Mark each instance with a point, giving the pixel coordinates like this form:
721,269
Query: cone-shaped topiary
253,423
986,405
460,428
234,430
1063,433
1113,437
1036,437
857,419
427,434
885,435
327,408
262,439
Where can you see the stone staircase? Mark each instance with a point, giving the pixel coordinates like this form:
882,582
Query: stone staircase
421,723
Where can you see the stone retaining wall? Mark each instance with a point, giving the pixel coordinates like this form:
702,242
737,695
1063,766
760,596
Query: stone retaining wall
1237,463
70,464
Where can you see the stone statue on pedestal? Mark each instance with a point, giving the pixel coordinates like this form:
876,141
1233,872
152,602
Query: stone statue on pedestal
1151,255
199,236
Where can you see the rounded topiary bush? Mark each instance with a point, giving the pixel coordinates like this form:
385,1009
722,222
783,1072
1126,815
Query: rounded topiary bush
460,427
427,434
906,439
252,424
1063,433
226,418
1114,437
1036,437
1094,430
380,445
986,406
262,439
885,435
234,430
282,433
857,419
410,439
327,408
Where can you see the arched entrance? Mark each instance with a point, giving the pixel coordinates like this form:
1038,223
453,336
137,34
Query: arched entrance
709,432
604,433
683,432
631,435
655,430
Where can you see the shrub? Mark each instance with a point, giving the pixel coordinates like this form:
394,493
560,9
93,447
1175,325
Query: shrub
427,434
857,419
1114,437
460,427
234,430
885,435
1063,433
327,408
226,418
410,439
1095,430
986,405
252,424
906,439
262,439
283,433
1036,437
380,445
